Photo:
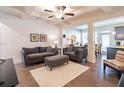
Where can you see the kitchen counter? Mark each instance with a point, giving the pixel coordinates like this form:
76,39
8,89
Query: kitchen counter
111,51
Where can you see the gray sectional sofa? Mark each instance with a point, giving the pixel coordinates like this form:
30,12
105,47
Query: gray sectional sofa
36,54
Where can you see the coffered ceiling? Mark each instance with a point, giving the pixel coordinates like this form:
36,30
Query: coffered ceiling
77,10
39,13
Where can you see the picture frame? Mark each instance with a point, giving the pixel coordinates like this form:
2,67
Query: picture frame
43,38
34,37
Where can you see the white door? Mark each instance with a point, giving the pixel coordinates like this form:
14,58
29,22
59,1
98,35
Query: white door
105,42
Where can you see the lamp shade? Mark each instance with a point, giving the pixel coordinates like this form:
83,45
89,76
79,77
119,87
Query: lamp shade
56,42
73,37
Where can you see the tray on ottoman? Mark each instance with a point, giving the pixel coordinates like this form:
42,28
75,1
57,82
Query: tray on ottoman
53,61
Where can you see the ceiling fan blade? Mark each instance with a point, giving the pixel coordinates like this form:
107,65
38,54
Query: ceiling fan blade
69,14
63,8
51,16
48,10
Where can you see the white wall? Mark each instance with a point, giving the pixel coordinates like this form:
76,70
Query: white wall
15,34
0,41
106,28
110,26
70,32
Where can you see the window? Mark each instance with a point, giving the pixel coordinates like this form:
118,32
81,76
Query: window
96,42
84,37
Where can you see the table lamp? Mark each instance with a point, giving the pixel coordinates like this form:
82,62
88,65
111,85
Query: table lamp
55,42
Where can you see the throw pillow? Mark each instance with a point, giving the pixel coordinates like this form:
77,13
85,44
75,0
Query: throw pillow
49,49
69,49
43,49
31,50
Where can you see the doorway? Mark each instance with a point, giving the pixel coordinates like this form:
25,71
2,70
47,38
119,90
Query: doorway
105,42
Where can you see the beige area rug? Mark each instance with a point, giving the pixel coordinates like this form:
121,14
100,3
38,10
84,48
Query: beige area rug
59,76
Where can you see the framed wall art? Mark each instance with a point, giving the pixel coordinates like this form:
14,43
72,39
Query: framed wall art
43,37
34,37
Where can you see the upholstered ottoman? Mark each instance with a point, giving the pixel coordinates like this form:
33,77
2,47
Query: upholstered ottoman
53,61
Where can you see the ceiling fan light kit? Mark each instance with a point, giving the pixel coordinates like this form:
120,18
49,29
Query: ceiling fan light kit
59,13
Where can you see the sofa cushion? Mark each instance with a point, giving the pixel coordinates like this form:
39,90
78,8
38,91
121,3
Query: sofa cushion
43,49
69,53
49,49
74,49
36,55
115,64
47,54
31,50
69,49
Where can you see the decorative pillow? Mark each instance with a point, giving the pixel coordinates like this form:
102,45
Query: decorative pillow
120,56
49,49
75,49
69,49
31,50
43,49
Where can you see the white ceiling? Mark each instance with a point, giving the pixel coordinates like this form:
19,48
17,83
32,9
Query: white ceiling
110,22
84,26
77,10
38,12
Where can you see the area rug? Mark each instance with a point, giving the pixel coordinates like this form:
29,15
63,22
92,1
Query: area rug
59,76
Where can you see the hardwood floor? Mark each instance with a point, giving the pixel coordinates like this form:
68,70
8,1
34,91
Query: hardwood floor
94,77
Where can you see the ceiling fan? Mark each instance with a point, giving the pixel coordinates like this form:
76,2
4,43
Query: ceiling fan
59,12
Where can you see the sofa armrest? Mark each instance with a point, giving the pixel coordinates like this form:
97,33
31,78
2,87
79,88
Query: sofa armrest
79,54
64,50
24,57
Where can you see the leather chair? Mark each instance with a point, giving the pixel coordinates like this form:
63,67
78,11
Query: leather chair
117,63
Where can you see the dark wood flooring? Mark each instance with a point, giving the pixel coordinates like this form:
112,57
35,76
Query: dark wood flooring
94,77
